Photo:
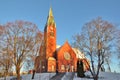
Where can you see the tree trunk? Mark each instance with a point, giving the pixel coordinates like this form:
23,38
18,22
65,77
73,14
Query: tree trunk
33,74
18,72
7,73
108,66
95,77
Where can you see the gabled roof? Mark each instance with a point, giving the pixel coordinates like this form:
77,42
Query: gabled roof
78,53
59,47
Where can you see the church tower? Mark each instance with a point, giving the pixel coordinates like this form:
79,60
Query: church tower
46,61
50,36
50,42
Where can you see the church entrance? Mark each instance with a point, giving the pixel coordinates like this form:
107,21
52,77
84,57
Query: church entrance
51,64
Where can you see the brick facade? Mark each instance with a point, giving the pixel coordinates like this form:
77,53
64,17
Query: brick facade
66,58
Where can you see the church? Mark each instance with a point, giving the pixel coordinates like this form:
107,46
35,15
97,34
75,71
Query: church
54,58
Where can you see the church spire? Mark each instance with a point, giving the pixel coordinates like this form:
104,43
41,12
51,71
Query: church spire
50,12
50,20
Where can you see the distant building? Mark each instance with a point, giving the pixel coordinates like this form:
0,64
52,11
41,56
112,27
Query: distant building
54,58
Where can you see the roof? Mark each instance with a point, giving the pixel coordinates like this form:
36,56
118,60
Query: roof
50,20
78,53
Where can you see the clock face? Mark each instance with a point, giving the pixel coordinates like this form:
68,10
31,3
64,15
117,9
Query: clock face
67,56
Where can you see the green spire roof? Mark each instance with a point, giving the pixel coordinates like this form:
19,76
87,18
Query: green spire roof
50,12
50,20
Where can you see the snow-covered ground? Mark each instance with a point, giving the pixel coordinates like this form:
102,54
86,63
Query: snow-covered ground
38,76
102,76
47,76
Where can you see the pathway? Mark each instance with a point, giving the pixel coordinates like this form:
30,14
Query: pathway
58,76
68,76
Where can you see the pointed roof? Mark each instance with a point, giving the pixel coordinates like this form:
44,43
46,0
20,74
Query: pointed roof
50,17
65,44
50,12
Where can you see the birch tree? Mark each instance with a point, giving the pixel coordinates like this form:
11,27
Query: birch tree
96,41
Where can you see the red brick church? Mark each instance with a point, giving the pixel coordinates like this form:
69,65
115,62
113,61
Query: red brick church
53,58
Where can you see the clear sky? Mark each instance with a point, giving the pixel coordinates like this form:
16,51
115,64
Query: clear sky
69,15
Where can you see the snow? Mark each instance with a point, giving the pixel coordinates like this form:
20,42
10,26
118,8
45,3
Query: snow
38,76
102,76
110,76
43,76
67,76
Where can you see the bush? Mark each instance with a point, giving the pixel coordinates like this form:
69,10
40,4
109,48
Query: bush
80,69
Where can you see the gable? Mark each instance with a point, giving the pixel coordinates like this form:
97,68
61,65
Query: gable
65,52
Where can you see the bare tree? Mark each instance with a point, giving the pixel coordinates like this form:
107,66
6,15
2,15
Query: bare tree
96,40
5,55
5,60
31,61
118,46
20,39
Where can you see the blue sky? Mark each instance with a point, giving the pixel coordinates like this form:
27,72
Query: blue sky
69,15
